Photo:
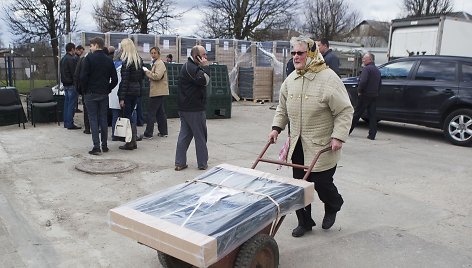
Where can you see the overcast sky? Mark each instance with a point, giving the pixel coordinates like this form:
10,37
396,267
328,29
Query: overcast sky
384,10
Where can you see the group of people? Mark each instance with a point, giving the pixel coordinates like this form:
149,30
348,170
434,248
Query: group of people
317,110
114,79
313,102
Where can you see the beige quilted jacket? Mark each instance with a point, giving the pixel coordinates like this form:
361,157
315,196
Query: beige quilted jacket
159,85
319,109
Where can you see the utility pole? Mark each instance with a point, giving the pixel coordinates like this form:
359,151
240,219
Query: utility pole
68,16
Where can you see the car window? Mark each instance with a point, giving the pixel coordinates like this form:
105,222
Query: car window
396,70
436,70
466,72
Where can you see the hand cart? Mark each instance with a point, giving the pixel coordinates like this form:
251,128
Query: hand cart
259,251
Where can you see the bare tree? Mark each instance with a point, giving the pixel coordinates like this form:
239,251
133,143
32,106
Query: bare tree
331,19
39,20
108,19
136,16
240,19
417,8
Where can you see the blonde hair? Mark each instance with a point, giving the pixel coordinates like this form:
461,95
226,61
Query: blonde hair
129,53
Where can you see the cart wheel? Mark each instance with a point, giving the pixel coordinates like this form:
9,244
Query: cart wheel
261,251
168,261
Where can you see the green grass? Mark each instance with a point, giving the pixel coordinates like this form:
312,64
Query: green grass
23,86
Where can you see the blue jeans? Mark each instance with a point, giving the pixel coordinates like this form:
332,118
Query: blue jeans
70,103
97,107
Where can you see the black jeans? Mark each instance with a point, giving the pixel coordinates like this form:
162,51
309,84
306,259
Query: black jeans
324,186
363,103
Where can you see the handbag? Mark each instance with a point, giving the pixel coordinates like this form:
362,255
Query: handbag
123,128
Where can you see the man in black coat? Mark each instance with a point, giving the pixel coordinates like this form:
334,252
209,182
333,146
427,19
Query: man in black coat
68,64
98,77
368,91
330,58
80,91
191,102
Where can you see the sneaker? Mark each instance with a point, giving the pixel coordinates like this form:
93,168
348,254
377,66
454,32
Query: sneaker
162,135
105,149
179,168
139,138
87,131
371,137
95,151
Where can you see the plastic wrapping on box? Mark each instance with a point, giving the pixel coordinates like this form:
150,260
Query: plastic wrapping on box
226,205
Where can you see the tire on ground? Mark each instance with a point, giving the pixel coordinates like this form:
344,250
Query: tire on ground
168,261
260,251
458,127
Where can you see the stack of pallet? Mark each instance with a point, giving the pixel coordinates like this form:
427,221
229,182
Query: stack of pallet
245,82
144,42
168,45
186,45
225,52
210,47
262,85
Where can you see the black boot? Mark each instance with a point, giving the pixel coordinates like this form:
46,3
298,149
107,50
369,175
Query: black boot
132,144
305,222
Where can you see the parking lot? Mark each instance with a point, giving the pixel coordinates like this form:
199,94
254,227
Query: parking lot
407,196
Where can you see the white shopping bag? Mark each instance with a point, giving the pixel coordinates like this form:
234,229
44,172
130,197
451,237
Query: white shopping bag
123,128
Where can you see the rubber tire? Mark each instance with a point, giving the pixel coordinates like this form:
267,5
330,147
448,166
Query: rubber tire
465,114
261,251
168,261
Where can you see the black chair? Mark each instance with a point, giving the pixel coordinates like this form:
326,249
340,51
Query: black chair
42,98
10,102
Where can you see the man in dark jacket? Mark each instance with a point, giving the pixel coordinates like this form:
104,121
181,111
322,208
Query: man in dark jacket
68,63
368,91
80,91
191,102
98,77
330,58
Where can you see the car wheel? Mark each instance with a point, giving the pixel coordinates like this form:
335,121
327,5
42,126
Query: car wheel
458,127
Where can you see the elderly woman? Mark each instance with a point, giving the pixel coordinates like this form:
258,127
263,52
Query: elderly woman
315,102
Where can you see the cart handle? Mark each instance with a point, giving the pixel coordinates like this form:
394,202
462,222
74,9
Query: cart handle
308,168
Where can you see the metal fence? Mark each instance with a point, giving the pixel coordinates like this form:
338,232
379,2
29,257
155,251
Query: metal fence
28,67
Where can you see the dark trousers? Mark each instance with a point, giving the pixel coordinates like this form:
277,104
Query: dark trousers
139,113
192,125
97,106
156,112
324,186
86,119
130,103
363,103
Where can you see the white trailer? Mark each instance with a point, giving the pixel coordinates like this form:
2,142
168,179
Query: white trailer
434,35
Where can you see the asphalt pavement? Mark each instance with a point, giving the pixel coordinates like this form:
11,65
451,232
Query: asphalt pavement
407,195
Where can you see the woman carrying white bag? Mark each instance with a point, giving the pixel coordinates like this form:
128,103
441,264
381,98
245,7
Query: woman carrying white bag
130,87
